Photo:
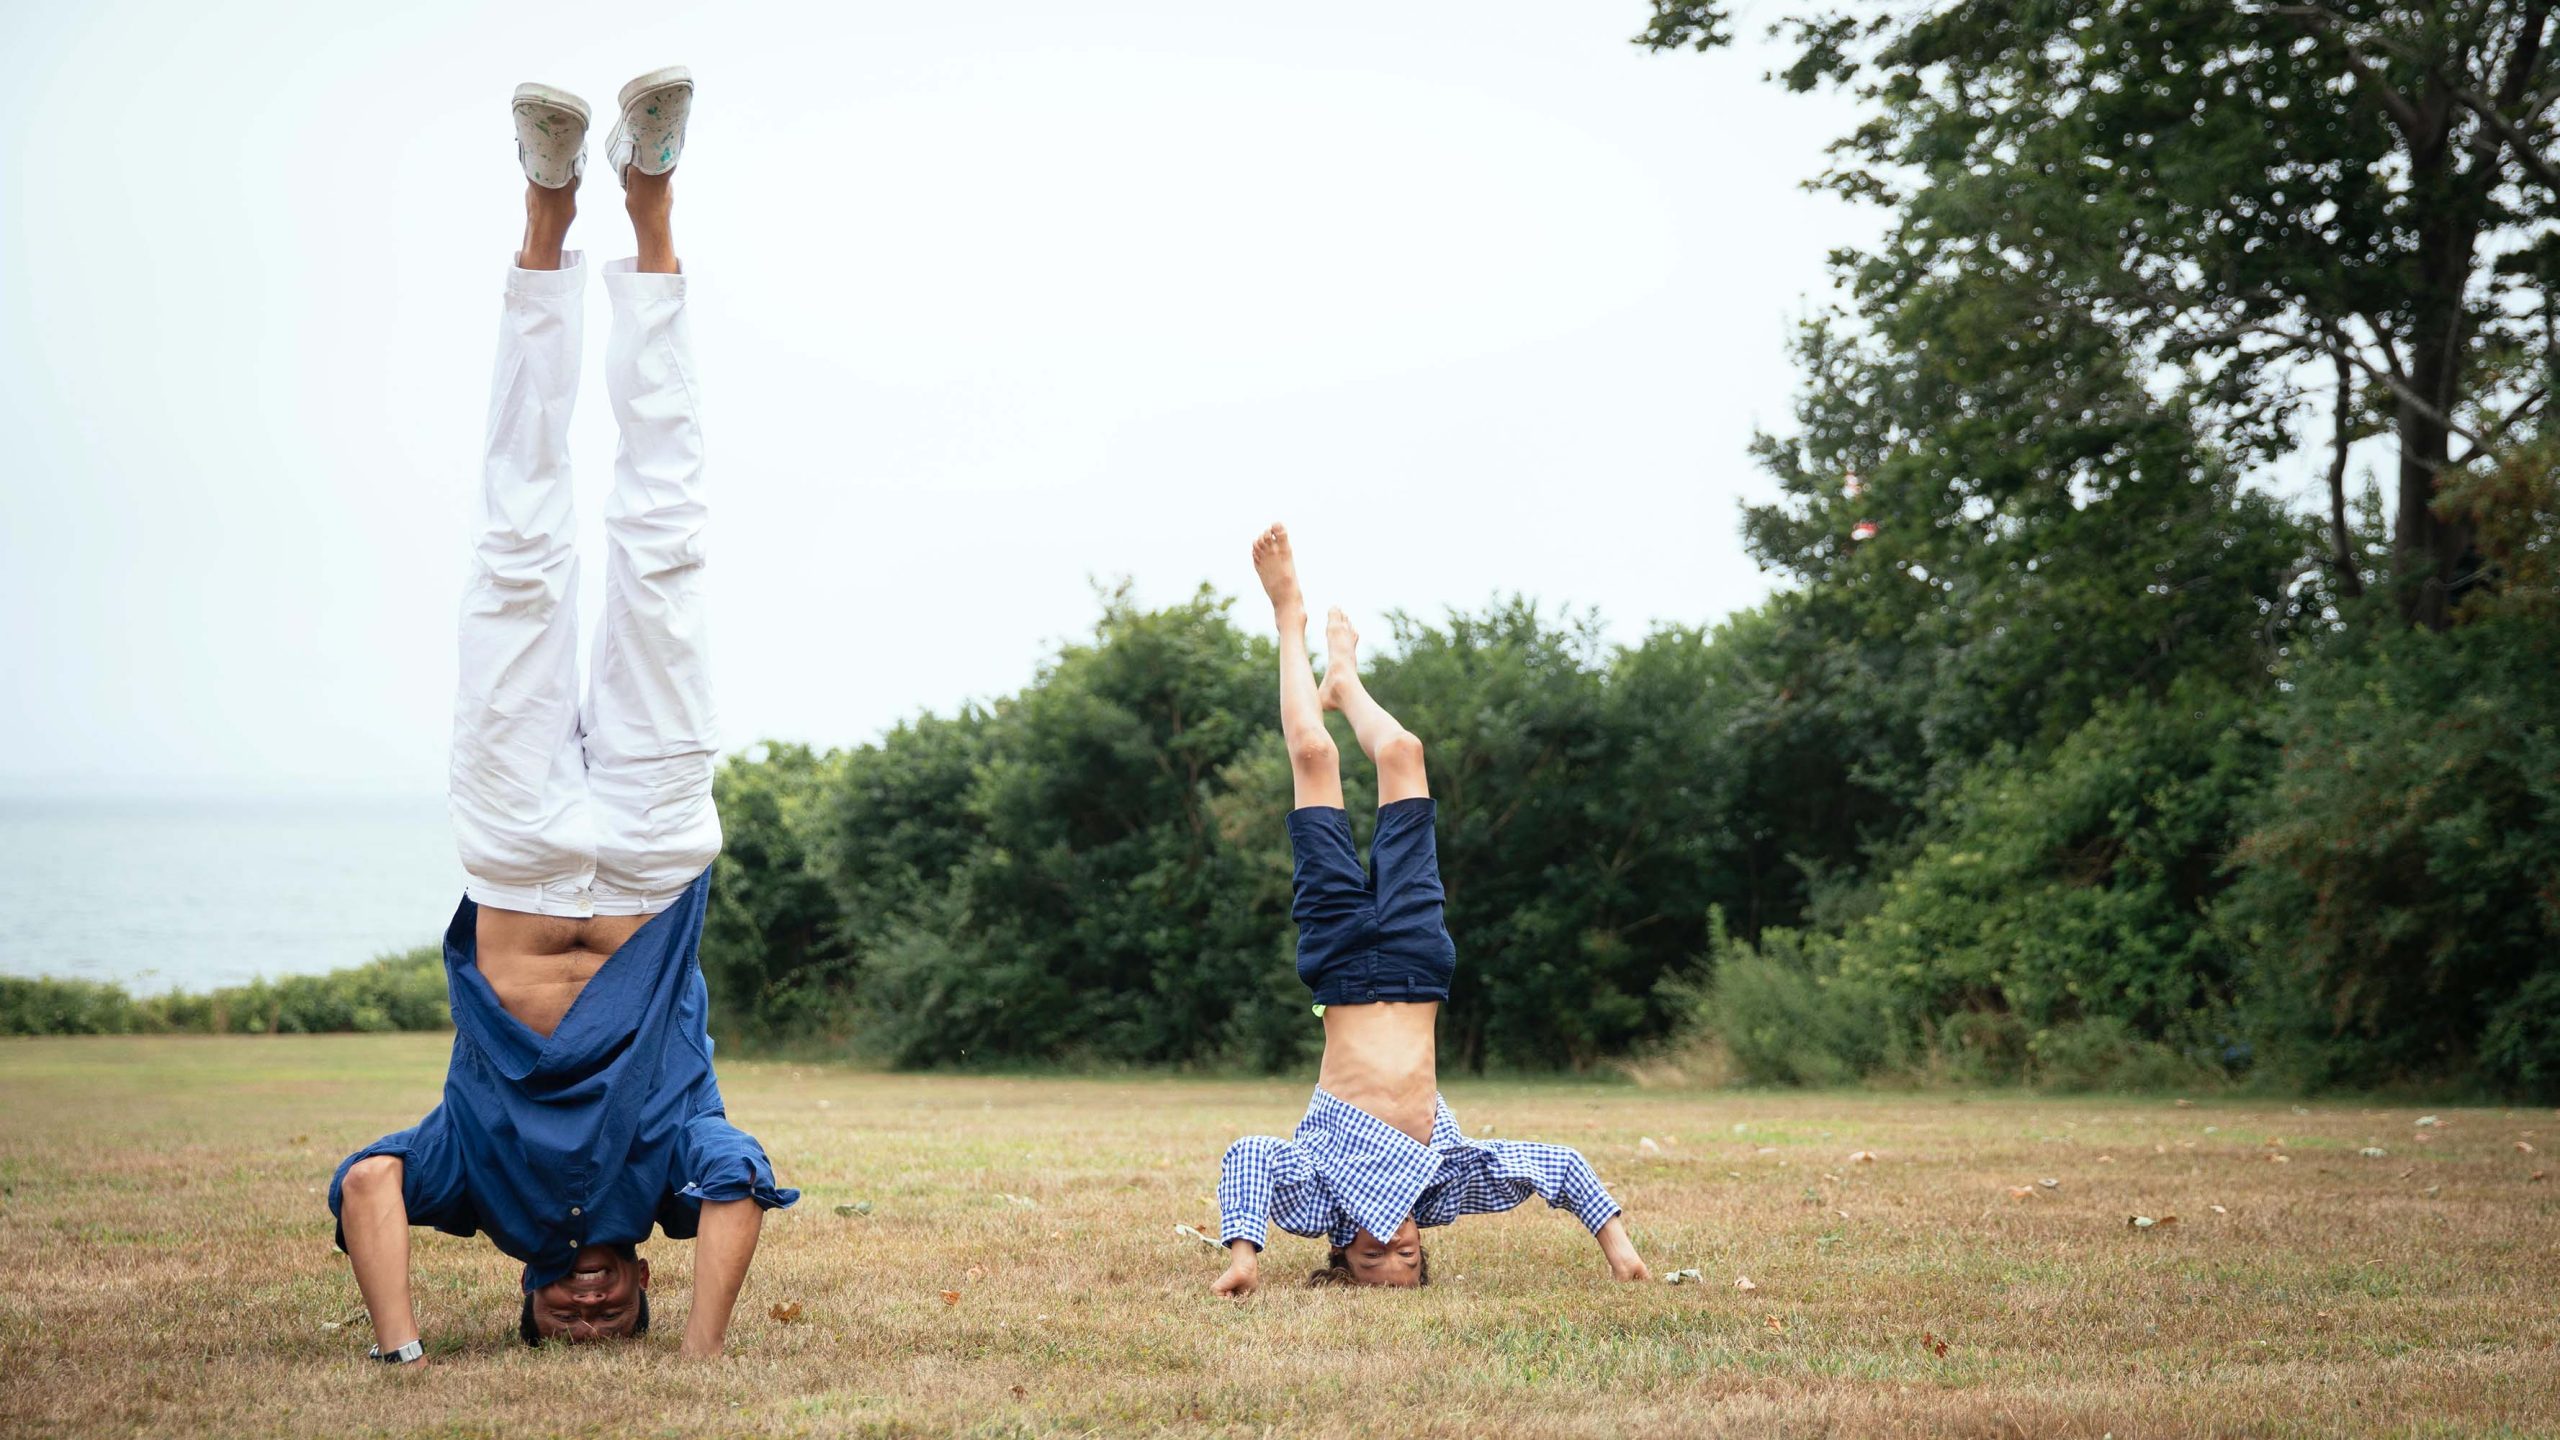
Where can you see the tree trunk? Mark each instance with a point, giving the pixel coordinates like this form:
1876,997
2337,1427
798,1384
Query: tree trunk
2341,540
2432,555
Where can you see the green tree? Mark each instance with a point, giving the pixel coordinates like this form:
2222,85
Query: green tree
2231,191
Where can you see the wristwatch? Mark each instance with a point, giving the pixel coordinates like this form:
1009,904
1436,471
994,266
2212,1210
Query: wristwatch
407,1354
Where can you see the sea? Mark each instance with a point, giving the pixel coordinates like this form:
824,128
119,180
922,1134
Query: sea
195,893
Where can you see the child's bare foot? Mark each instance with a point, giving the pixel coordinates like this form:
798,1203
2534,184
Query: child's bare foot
1341,659
1278,568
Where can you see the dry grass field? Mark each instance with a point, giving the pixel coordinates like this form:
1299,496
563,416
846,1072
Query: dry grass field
165,1267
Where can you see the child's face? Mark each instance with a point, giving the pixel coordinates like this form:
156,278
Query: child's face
1396,1260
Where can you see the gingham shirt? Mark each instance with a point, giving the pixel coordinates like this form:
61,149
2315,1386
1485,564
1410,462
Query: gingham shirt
1348,1171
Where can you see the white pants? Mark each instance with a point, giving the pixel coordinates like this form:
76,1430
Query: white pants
605,811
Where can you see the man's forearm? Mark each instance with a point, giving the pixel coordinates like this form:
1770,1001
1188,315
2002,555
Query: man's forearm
375,1217
722,1249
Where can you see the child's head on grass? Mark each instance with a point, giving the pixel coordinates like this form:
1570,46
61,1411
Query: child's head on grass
1400,1260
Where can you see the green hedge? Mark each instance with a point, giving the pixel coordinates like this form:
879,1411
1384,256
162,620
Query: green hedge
395,992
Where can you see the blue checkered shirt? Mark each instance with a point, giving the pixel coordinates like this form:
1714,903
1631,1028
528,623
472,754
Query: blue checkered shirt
1348,1171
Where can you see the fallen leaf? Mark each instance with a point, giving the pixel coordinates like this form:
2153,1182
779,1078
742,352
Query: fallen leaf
2373,1152
2218,1210
2279,1159
2429,1120
1025,1201
2537,1177
1689,1276
2022,1192
1019,1392
2405,1174
2106,1159
2434,1189
976,1272
1743,1284
949,1297
1776,1325
788,1313
2145,1222
2050,1184
2275,1142
1936,1346
1647,1145
360,1312
1862,1157
2524,1147
1185,1230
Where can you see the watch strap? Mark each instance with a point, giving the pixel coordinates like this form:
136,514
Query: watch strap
413,1351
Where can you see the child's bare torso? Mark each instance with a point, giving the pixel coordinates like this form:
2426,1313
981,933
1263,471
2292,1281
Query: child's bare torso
1385,1060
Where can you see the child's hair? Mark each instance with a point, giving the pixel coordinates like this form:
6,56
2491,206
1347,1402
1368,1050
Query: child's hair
1337,1269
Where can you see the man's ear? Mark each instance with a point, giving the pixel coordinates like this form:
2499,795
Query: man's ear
642,1279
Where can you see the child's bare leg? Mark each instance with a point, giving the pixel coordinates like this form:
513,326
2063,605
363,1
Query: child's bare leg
1313,759
1389,746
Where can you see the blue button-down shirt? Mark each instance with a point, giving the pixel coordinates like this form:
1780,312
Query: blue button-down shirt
1349,1171
611,1124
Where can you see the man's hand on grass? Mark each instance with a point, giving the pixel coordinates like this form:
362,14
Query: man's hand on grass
1620,1251
1243,1273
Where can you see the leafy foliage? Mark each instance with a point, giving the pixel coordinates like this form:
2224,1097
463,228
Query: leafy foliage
396,992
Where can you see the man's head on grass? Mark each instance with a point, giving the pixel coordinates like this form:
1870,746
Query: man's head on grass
605,1296
1397,1260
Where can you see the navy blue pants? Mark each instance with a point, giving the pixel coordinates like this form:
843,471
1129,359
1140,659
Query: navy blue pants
1364,939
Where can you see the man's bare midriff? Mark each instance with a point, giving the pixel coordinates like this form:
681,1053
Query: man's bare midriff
537,964
1385,1059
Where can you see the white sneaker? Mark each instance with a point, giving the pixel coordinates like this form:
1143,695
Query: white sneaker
649,137
551,135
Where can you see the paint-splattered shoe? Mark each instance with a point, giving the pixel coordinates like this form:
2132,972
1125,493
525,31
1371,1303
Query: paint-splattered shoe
649,137
551,135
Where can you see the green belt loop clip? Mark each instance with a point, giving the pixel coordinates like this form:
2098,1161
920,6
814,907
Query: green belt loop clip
1319,1009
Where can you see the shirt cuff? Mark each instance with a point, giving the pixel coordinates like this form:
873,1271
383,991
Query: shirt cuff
1246,1226
741,1179
1594,1209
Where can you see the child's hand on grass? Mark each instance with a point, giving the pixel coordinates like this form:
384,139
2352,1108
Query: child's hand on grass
1243,1273
1620,1251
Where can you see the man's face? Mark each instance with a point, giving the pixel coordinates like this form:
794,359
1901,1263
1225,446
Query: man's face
1396,1260
599,1299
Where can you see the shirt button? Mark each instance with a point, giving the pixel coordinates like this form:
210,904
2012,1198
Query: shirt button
574,1211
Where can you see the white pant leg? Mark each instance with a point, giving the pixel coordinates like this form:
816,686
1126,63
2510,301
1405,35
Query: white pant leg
519,792
650,730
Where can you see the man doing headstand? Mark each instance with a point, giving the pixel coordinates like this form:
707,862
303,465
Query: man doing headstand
580,1108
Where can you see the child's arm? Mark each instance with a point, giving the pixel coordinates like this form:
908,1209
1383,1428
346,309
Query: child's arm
1559,1175
1259,1173
1620,1252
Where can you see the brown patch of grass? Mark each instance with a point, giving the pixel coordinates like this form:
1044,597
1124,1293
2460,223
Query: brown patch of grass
167,1261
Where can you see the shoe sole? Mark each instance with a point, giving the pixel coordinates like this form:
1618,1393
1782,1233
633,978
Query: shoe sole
669,78
554,98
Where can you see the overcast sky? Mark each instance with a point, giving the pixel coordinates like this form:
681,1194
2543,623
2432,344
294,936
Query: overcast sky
992,301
